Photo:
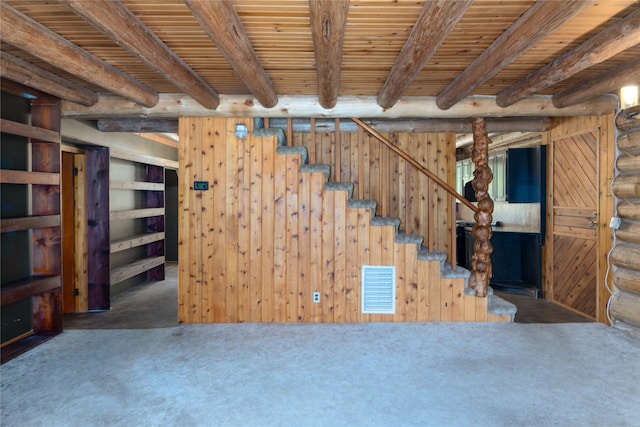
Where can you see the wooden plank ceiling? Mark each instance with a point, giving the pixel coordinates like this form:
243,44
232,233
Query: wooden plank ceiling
358,57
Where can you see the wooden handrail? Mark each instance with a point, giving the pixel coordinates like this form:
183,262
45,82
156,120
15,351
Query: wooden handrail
417,165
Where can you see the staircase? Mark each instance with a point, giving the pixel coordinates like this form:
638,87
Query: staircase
428,287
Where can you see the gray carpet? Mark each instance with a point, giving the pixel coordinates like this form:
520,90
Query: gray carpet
328,375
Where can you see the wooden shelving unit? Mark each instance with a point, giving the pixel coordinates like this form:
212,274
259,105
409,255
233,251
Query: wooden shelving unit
42,183
152,214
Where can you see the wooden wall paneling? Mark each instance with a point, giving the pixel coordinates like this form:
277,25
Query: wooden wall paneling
268,231
297,239
80,219
300,296
244,230
206,218
352,273
185,209
375,258
316,184
327,276
414,269
255,222
282,237
98,244
469,308
364,223
606,203
437,292
218,190
340,256
446,300
231,226
399,260
313,159
337,153
197,263
388,257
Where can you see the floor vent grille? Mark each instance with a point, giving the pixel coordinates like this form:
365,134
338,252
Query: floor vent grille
378,289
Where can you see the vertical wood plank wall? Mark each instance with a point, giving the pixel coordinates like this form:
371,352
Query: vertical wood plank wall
380,175
266,236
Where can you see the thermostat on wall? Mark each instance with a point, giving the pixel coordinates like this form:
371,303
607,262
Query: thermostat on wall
200,185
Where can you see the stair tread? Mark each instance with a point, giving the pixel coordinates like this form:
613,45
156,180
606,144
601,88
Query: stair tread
500,306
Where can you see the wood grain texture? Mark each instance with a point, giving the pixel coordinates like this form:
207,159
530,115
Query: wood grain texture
285,237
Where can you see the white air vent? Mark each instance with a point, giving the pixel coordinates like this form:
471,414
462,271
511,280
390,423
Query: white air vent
378,289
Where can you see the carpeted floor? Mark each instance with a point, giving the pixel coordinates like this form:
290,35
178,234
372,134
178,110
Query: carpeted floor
580,374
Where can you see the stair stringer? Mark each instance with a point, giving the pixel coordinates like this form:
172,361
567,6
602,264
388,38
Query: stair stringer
427,288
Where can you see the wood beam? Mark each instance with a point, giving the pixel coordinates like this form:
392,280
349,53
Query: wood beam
328,23
26,34
437,19
115,21
221,22
604,45
138,125
160,139
22,72
543,18
176,105
607,82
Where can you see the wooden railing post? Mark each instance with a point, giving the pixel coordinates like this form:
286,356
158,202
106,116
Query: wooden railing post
481,269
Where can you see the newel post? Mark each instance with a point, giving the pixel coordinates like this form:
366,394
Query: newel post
481,270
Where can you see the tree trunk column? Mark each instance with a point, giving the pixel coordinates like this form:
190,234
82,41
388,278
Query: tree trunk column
481,270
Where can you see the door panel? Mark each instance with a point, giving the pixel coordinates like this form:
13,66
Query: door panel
574,225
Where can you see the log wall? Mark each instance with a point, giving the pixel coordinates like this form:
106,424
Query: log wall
266,236
625,257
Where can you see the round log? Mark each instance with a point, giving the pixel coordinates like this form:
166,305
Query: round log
626,187
627,280
629,142
625,307
629,231
627,256
629,163
629,210
628,119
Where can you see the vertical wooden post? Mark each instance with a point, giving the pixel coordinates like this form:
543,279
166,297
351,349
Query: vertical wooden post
481,270
46,256
98,244
155,199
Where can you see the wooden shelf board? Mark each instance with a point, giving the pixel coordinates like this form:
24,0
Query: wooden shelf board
28,223
27,177
28,287
135,241
20,129
136,213
124,272
136,185
119,153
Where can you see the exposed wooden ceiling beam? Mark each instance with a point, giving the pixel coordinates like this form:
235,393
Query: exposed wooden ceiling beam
221,22
328,23
30,36
437,19
174,105
607,82
138,125
22,72
535,24
498,124
604,45
115,21
160,139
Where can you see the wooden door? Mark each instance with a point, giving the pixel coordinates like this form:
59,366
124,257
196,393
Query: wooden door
574,210
74,246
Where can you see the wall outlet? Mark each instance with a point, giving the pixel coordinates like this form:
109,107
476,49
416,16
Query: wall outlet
615,222
316,297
